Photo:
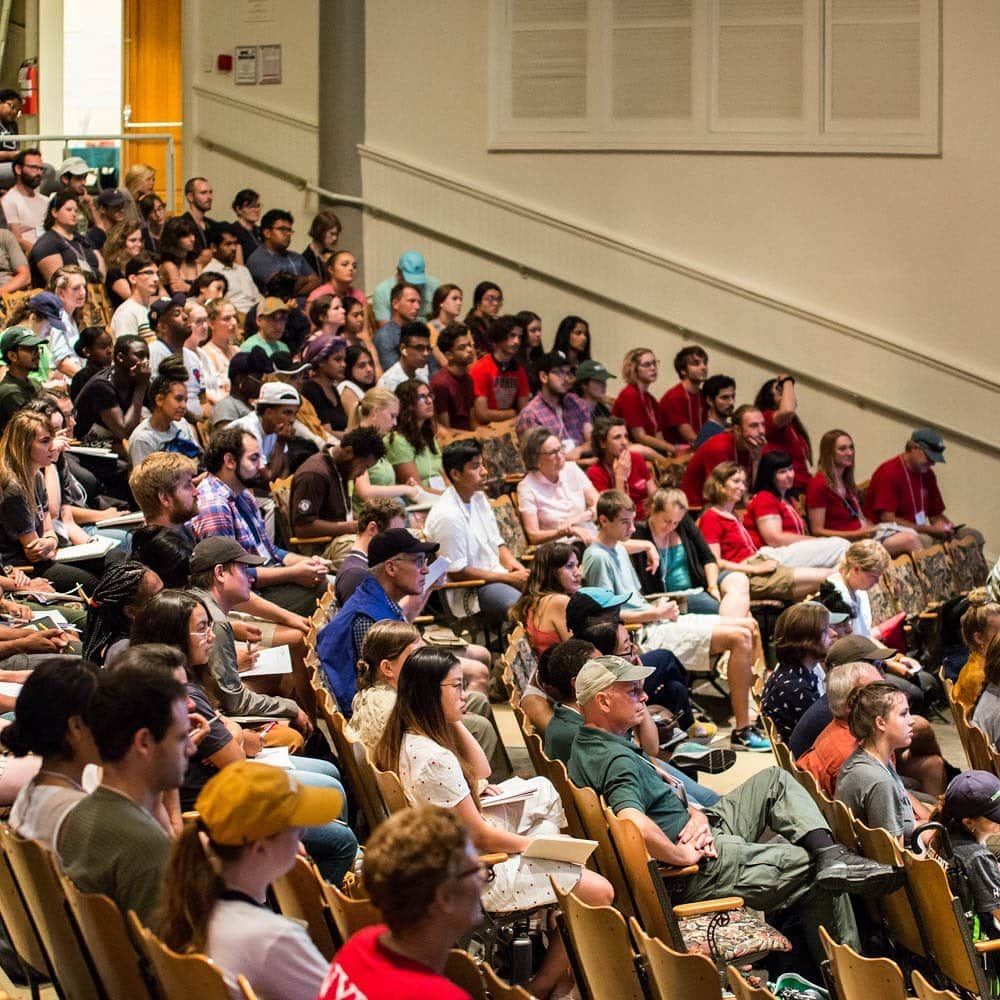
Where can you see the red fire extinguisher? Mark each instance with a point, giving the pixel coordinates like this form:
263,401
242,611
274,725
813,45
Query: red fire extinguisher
27,84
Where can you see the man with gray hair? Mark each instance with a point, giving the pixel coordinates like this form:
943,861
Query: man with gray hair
835,743
806,870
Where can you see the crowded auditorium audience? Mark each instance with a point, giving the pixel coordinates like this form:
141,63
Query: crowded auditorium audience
258,513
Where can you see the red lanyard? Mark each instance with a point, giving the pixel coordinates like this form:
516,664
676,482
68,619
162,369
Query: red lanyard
800,525
909,484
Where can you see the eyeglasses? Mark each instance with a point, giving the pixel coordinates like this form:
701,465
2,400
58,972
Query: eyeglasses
493,298
486,871
550,452
148,272
458,685
419,561
423,397
649,364
203,629
283,229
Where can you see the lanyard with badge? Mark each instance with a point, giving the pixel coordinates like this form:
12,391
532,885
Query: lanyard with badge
919,513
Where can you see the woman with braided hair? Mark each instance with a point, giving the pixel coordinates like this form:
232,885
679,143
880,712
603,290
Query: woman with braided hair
117,597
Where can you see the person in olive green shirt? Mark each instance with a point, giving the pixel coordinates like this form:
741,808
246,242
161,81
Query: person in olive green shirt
20,350
808,870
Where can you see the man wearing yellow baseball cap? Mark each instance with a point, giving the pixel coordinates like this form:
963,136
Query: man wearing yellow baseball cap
247,834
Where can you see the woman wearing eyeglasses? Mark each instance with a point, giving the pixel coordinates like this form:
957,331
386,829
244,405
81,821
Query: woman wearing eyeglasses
411,448
637,406
440,764
487,299
173,614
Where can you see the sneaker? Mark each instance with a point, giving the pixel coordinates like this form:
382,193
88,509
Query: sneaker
749,739
840,870
711,761
702,731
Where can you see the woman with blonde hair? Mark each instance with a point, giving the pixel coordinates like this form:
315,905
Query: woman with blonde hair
980,624
69,285
637,406
140,180
26,531
379,408
221,348
123,243
832,503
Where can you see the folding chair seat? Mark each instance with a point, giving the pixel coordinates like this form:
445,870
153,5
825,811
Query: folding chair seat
860,978
674,975
742,990
497,989
927,992
21,930
463,970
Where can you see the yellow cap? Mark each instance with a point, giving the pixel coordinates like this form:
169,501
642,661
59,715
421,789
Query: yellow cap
248,801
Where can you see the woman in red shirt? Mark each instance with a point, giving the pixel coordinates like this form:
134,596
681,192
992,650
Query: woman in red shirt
618,467
773,520
832,502
637,406
778,402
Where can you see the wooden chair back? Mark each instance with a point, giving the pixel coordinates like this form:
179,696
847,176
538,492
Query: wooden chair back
519,662
299,895
958,716
349,915
860,978
179,975
925,991
742,990
463,970
21,929
391,790
595,827
497,989
599,947
353,762
896,908
979,749
943,922
246,989
651,905
841,821
37,876
107,939
556,773
533,743
673,975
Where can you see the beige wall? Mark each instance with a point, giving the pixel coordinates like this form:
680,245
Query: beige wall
276,123
899,250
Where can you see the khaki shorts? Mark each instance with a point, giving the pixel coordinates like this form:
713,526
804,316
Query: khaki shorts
778,585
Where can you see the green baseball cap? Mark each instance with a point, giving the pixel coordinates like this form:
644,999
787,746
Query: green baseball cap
18,336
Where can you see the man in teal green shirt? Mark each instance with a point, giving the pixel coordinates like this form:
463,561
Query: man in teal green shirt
807,870
271,318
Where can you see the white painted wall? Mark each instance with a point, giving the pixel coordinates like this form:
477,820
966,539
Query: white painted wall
903,249
277,124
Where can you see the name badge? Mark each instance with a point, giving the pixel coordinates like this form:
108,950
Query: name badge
568,444
921,517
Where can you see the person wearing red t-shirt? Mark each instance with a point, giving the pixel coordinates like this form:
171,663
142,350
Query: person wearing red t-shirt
619,468
422,872
904,489
776,526
500,383
832,503
741,444
637,406
779,404
454,393
682,408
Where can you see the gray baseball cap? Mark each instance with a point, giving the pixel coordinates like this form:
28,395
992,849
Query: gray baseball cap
602,672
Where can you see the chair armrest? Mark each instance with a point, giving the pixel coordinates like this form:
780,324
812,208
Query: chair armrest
317,540
723,905
496,858
461,584
423,620
672,871
993,944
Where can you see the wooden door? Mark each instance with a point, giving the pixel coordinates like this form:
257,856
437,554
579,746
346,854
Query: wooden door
152,85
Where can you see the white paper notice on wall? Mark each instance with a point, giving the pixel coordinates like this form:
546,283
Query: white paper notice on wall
258,10
246,64
270,64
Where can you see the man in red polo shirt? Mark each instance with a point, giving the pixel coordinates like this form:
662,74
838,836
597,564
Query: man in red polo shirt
743,443
904,489
682,408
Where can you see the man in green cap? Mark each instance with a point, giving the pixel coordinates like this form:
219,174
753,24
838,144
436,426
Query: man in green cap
19,348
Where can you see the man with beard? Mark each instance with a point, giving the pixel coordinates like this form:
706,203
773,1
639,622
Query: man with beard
199,195
226,506
23,207
719,392
163,487
742,443
554,408
243,293
169,320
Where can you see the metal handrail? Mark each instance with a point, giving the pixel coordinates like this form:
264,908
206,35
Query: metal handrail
870,403
166,137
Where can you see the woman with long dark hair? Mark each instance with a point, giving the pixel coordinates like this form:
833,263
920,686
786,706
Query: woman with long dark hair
554,577
486,302
573,339
360,366
446,308
439,763
411,448
774,521
178,255
184,622
61,245
123,243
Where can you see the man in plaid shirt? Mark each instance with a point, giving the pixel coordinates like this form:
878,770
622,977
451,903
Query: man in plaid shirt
227,507
565,416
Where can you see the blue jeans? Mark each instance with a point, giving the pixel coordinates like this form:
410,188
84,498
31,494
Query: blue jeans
697,794
333,846
667,685
494,601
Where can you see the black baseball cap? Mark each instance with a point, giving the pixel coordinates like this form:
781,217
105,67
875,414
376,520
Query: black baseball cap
973,793
162,306
252,362
397,542
554,359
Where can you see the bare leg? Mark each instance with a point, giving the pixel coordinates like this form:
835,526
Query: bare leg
476,675
735,591
903,541
808,580
736,639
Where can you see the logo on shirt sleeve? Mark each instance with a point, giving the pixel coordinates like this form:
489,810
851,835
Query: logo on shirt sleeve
305,506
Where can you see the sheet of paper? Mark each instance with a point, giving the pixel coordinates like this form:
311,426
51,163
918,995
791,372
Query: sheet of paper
512,790
82,449
10,689
556,848
55,616
48,597
276,757
435,571
136,517
276,660
93,549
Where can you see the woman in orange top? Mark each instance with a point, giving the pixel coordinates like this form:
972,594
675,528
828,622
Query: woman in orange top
980,623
